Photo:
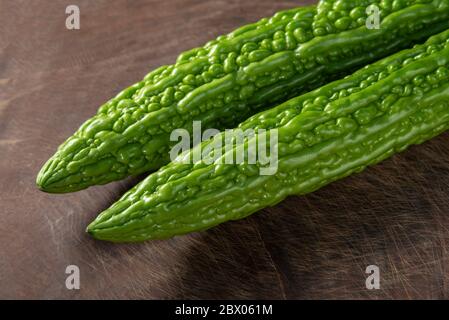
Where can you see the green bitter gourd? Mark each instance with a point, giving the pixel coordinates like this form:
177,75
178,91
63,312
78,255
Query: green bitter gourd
229,79
323,135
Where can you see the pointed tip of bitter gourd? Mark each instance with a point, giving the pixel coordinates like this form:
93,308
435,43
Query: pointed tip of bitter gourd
44,180
94,231
114,225
107,225
53,180
100,234
106,234
91,229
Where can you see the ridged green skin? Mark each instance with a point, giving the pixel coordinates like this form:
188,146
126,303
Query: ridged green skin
231,78
324,135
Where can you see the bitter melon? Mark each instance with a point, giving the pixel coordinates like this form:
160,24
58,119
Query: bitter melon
323,135
231,78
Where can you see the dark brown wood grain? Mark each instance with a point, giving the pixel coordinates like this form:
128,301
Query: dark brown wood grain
394,215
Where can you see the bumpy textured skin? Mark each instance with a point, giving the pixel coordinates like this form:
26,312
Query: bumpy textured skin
231,78
324,135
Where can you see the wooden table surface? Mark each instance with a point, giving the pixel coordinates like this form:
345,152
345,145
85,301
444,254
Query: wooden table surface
394,215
